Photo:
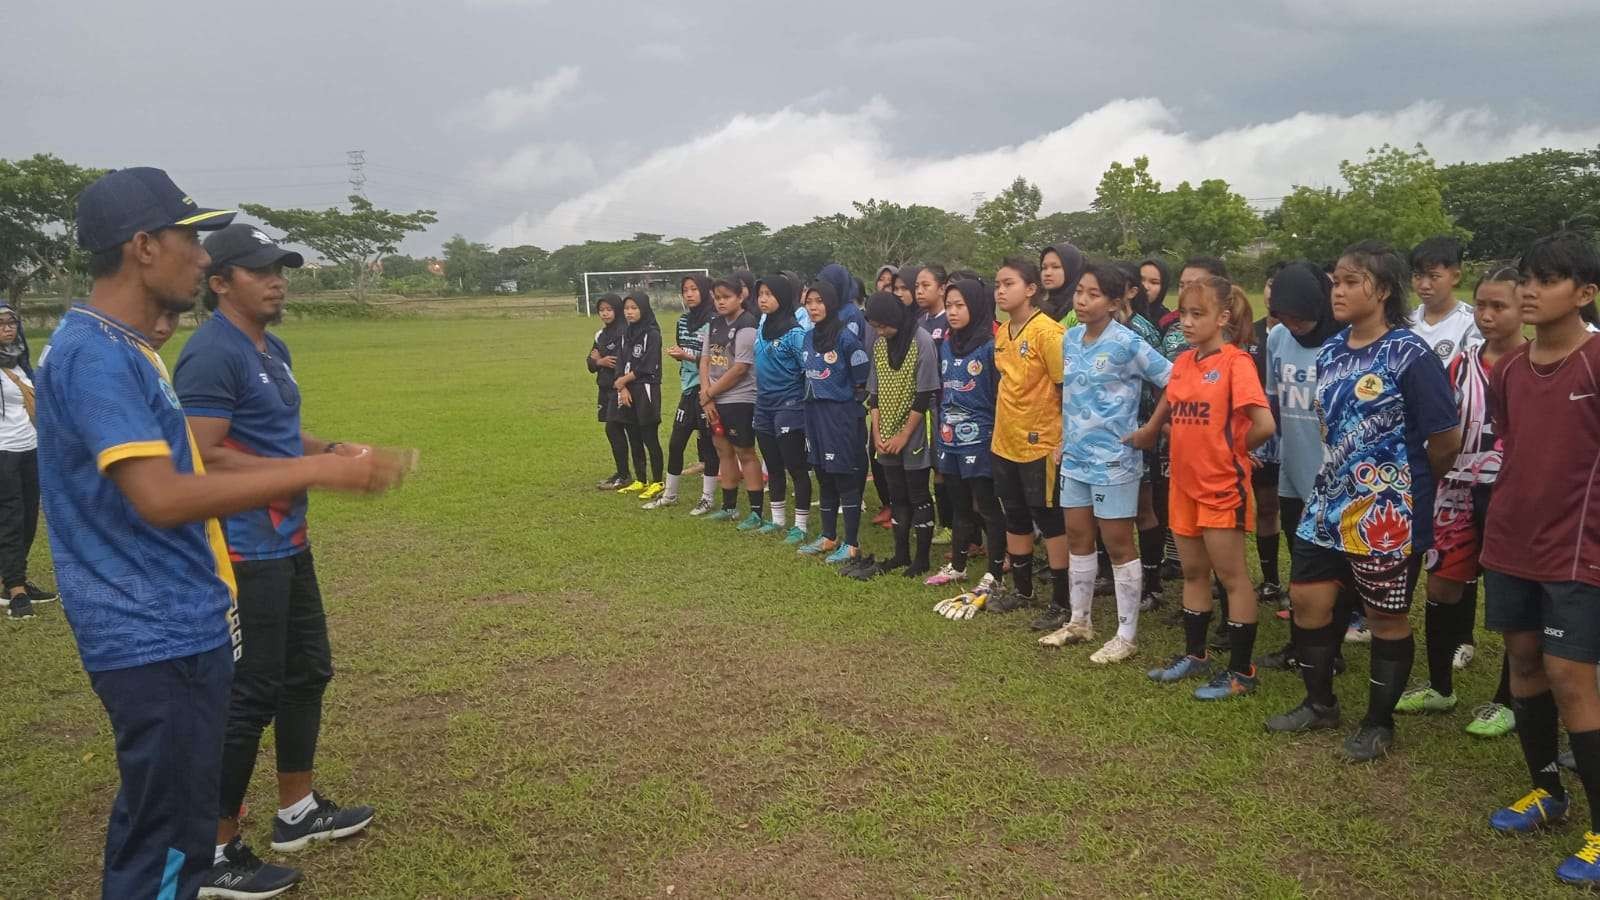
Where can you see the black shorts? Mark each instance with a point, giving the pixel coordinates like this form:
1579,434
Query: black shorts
690,414
1030,485
1566,613
1384,584
603,404
1265,478
738,423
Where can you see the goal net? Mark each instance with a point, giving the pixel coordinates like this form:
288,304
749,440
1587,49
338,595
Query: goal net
662,286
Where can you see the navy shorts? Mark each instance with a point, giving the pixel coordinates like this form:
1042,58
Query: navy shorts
779,420
836,437
737,423
965,462
1566,613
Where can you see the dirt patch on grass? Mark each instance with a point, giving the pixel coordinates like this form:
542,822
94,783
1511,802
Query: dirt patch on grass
502,600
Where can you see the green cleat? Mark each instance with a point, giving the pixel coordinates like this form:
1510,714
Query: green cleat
723,515
1492,720
795,537
771,528
1424,700
750,522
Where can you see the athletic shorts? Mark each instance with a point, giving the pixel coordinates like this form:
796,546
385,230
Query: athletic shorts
1458,518
603,404
1566,613
778,421
836,437
1110,501
646,399
1188,516
1264,478
916,454
689,409
1025,485
973,461
1379,582
738,423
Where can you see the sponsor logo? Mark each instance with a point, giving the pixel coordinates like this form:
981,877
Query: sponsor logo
172,395
1099,497
828,457
1212,377
1444,348
1033,437
974,367
1369,387
970,459
1191,412
1576,396
260,238
1554,632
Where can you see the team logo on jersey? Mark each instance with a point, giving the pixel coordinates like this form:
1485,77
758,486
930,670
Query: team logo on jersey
946,433
638,350
1213,376
1369,387
830,357
170,394
1022,348
1444,348
1101,361
974,367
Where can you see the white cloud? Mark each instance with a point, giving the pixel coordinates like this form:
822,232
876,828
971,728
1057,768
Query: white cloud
503,108
1437,14
787,166
539,166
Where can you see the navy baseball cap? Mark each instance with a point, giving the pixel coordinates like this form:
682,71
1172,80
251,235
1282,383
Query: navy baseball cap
124,202
248,246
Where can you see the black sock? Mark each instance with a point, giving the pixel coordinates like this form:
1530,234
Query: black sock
1538,729
901,524
942,505
1391,667
1022,573
1150,558
1060,589
1195,625
1586,753
1502,694
1242,642
1438,630
756,497
1267,550
1316,649
1466,614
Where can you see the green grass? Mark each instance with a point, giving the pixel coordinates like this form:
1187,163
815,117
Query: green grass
548,692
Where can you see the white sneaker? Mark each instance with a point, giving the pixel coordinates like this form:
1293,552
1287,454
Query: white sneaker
1463,658
946,575
1116,650
1070,633
661,501
701,506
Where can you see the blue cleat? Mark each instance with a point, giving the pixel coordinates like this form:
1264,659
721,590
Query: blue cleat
1536,810
771,528
1226,685
723,515
1583,867
795,537
1182,667
750,522
844,554
818,547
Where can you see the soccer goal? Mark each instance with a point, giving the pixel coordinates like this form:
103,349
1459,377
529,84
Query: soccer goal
661,284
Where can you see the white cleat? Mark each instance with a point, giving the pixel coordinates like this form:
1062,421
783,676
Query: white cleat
1070,633
1116,650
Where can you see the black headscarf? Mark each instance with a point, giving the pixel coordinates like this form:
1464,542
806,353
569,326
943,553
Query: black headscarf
619,325
892,270
980,311
843,283
1058,303
1159,301
15,353
825,336
647,317
1302,291
747,280
908,274
780,320
884,308
797,283
701,315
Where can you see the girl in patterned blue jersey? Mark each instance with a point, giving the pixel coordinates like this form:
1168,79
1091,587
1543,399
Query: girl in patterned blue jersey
780,408
836,369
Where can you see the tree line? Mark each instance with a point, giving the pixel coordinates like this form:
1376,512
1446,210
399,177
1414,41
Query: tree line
1395,194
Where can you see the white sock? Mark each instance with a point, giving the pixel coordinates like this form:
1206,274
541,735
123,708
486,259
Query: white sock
780,512
219,857
708,489
671,492
1129,578
1080,585
802,518
292,815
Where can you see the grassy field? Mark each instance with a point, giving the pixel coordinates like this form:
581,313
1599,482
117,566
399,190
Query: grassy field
547,692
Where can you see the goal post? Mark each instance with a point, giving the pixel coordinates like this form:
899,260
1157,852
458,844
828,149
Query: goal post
651,281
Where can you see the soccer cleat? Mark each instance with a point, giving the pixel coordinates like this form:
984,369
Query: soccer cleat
662,501
1182,667
1269,593
1461,660
946,574
1357,633
701,507
1424,700
1051,619
1369,743
1004,600
612,483
884,518
652,490
863,563
1307,716
243,876
38,594
1492,720
750,522
1536,810
632,487
795,537
1226,685
771,528
1150,601
1115,650
20,608
1583,867
326,821
942,536
818,547
1282,659
842,554
723,515
1070,633
1222,639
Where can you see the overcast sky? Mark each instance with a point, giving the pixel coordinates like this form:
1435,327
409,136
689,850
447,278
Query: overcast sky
551,121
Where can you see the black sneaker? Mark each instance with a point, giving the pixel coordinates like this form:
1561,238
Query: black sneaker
1004,600
1104,586
1052,618
1222,638
1306,717
243,876
612,483
327,821
861,568
20,608
1368,743
1284,660
1151,601
1269,593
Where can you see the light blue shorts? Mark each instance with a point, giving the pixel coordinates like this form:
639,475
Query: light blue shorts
1110,501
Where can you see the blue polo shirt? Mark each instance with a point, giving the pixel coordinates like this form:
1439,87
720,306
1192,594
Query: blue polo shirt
133,593
221,375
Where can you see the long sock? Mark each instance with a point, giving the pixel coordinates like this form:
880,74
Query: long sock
852,522
1022,573
671,492
708,487
1081,571
1502,694
1195,625
1267,550
1316,650
730,498
942,506
1439,631
780,512
1586,753
1242,642
901,525
922,532
756,497
1129,581
1466,615
1391,667
1150,558
1060,589
802,518
1538,730
1169,547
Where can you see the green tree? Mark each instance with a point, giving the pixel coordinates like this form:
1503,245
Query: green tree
1394,196
884,233
1091,231
807,247
1132,199
355,239
740,247
1209,219
469,267
1507,204
38,213
1006,223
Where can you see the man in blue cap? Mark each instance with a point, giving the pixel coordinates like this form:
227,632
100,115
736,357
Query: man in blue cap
140,558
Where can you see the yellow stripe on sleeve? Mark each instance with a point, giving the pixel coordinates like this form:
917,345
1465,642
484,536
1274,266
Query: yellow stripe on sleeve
132,450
